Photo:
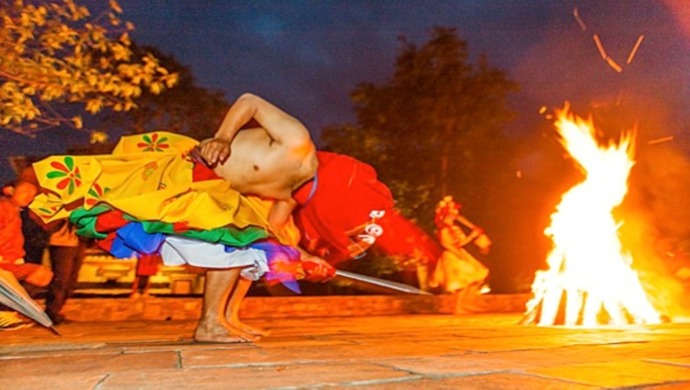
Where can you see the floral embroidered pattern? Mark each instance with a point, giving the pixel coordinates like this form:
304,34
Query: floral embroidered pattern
47,211
95,193
153,144
149,169
68,172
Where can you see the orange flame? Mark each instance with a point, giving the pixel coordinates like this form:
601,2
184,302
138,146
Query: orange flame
589,270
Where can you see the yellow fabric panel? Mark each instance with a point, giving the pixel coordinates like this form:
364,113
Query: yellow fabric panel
149,177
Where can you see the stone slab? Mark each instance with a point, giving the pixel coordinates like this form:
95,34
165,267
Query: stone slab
624,373
257,377
486,351
500,381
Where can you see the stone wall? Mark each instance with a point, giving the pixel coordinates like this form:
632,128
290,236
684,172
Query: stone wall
171,308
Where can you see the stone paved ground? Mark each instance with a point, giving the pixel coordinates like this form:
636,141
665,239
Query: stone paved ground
487,351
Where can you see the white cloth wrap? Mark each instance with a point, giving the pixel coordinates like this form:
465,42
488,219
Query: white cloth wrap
177,251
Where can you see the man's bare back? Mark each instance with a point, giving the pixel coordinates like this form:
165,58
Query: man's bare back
270,160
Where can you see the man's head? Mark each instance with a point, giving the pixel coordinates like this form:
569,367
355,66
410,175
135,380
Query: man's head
447,210
337,205
346,209
24,189
21,193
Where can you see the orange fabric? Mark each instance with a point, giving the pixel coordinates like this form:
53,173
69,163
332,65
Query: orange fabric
11,238
22,271
147,265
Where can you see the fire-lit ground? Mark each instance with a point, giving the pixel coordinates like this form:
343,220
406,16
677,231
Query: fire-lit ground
487,351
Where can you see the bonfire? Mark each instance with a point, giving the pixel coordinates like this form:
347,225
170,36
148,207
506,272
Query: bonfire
590,280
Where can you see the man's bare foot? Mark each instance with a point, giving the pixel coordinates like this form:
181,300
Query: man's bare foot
221,334
248,329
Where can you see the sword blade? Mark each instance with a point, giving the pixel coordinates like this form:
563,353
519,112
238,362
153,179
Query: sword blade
406,288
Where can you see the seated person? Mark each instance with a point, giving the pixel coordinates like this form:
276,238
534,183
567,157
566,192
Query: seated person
14,198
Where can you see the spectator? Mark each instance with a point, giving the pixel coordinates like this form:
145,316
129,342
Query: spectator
66,255
14,198
457,269
35,238
34,230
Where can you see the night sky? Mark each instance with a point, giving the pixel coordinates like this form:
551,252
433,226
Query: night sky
307,56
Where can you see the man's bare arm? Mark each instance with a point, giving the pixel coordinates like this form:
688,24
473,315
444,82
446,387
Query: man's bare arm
280,212
283,128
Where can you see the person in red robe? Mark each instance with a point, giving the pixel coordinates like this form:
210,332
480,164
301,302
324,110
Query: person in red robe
346,209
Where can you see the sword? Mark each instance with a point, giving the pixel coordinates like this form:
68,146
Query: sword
406,288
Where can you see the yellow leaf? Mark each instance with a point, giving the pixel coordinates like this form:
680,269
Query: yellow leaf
115,6
124,38
94,105
156,88
98,137
127,90
114,19
172,80
120,52
84,11
76,121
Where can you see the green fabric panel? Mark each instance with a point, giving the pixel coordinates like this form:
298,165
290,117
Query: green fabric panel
227,235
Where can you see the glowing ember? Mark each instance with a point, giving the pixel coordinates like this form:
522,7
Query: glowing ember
662,139
613,64
589,280
634,49
576,14
600,46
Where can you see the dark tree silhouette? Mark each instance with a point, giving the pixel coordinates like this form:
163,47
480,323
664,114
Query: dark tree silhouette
435,128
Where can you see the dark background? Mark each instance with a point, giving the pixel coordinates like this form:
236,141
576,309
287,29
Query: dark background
306,57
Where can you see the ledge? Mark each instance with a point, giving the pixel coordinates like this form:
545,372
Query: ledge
188,308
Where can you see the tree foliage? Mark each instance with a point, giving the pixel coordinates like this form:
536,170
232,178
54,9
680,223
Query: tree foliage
433,128
56,52
186,108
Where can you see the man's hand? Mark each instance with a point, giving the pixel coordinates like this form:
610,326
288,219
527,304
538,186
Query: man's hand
317,269
215,150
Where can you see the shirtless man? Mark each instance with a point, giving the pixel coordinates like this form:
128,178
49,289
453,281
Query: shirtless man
260,150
